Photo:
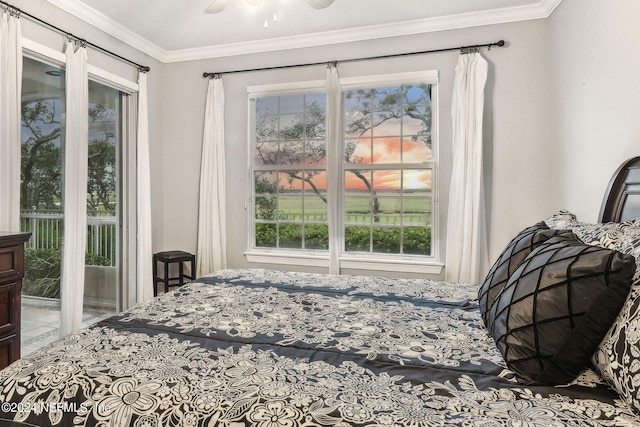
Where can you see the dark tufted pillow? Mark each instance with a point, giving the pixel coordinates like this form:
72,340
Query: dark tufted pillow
510,259
557,307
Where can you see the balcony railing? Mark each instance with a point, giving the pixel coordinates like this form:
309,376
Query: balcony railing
46,226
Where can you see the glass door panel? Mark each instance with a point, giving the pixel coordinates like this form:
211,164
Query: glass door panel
42,207
101,287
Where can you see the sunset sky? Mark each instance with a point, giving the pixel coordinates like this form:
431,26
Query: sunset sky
391,142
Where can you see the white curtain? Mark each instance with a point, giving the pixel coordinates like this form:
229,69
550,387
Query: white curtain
466,253
10,93
75,188
334,98
144,288
212,218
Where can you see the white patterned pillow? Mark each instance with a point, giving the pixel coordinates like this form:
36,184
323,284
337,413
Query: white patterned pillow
629,243
562,220
606,234
618,355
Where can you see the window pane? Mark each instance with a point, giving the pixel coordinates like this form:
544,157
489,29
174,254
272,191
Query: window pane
267,128
358,123
314,120
387,150
416,208
290,236
315,152
386,240
266,235
357,180
389,180
415,151
291,126
416,241
358,99
415,118
420,94
316,236
387,123
266,153
420,179
266,182
267,105
291,104
357,239
290,207
389,209
291,153
358,150
358,209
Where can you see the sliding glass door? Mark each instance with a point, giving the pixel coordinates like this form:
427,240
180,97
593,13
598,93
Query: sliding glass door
42,200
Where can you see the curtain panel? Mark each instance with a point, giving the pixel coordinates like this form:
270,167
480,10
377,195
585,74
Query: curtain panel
334,97
144,272
212,217
10,98
76,153
466,244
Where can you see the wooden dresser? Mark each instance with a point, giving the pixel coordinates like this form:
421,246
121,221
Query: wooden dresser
11,273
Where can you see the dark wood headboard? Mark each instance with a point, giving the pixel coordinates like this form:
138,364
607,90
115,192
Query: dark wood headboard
622,199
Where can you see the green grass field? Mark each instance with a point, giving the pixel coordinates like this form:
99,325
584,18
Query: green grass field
417,207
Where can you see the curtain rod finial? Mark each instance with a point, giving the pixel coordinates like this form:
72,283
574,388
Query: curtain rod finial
144,69
500,43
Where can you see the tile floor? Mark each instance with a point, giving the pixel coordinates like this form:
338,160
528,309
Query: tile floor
41,319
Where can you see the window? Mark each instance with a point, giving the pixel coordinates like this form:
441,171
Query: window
388,170
290,172
385,197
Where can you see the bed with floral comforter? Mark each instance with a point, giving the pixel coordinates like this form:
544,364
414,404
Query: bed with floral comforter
273,349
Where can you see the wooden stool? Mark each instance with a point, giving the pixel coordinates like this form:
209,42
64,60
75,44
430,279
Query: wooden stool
167,258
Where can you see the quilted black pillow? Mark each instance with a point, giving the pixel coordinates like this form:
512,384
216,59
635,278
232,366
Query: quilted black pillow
510,259
557,306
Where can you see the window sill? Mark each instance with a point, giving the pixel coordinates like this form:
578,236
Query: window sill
351,262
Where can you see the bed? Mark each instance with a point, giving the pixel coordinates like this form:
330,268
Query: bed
273,349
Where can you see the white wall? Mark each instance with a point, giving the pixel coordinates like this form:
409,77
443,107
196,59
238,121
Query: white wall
594,50
517,123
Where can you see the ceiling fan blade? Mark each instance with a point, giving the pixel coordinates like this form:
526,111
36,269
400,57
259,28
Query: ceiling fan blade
217,6
320,4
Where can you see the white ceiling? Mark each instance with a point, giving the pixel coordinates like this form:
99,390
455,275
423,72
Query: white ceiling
178,30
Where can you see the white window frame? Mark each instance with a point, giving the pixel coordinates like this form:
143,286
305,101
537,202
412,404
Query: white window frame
316,258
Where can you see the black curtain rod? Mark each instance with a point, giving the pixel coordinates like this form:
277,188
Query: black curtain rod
472,48
18,12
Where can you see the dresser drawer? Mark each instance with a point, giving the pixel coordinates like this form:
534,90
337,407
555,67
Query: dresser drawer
9,350
9,311
11,262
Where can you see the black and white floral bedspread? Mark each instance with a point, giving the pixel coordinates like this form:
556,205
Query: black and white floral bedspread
270,349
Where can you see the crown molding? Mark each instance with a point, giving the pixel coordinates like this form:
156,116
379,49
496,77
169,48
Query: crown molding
541,10
93,17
